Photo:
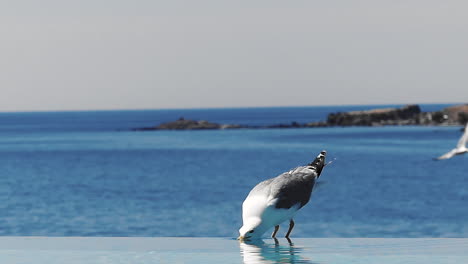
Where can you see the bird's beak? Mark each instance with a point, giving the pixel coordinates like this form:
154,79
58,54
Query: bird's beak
330,162
243,238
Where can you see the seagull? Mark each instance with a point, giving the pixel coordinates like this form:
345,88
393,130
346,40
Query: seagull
276,200
460,149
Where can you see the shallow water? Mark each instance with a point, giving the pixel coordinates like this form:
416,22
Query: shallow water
223,250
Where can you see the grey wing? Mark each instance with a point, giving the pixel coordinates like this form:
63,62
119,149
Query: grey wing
291,191
447,155
262,187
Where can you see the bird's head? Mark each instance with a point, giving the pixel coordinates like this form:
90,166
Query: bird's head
251,229
319,162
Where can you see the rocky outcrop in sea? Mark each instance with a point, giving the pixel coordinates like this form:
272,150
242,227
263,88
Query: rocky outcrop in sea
187,124
406,115
453,115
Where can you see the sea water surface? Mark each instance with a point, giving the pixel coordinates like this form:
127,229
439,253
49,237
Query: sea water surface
104,250
88,174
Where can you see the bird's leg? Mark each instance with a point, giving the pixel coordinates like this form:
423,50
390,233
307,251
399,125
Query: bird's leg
276,241
291,226
276,231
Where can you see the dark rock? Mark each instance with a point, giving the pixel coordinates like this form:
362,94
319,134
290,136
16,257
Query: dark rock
293,124
183,124
376,117
463,117
438,117
186,124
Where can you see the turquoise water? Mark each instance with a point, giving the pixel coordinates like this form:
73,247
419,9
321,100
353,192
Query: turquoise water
88,174
221,250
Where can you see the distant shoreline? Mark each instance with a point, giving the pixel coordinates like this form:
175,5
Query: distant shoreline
403,116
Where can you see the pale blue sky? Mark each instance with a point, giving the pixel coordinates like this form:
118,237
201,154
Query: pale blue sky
103,54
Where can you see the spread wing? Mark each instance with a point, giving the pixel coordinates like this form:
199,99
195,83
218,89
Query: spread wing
462,142
447,155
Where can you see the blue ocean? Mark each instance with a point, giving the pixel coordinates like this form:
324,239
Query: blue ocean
89,174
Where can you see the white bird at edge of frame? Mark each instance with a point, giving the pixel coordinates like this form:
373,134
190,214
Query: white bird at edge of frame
459,149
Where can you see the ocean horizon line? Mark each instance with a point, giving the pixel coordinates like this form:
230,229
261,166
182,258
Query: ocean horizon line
221,108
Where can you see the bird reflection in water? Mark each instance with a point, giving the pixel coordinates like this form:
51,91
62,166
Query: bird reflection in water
259,252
